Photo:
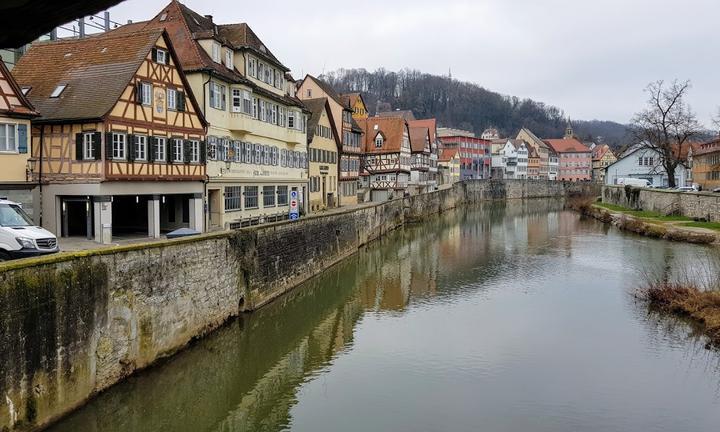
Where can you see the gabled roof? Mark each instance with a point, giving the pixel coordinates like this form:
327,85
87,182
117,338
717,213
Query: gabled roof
431,124
185,27
517,143
600,151
447,153
404,114
241,36
391,128
535,140
12,100
567,145
95,70
419,138
316,107
328,90
351,99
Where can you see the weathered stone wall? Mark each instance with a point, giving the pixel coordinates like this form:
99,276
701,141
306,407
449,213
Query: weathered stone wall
74,324
701,205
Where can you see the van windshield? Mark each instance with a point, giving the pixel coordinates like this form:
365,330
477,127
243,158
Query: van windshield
11,215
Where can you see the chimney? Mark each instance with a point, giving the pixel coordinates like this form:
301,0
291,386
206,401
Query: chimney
209,17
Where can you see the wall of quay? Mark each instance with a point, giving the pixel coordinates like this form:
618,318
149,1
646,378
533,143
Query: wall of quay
74,324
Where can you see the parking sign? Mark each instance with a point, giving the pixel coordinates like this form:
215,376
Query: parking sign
294,207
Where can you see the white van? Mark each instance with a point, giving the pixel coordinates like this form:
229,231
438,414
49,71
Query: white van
19,237
634,182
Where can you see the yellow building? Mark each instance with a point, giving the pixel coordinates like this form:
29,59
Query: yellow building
323,146
120,150
705,160
15,114
356,102
602,157
449,165
350,135
257,142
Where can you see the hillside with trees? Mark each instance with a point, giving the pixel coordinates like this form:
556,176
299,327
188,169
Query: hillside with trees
466,105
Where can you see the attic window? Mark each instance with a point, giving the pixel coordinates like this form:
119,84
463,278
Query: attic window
163,17
379,140
58,90
25,90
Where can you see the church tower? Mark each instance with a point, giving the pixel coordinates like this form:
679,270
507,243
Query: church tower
569,134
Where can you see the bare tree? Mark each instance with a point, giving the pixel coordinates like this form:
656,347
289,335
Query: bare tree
667,125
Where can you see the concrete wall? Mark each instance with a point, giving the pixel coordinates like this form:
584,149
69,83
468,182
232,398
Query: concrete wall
74,324
703,205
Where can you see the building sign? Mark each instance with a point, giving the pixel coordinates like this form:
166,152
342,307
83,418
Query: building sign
294,205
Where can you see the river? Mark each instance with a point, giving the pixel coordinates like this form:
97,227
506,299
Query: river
515,316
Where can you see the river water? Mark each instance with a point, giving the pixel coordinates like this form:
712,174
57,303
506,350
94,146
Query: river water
505,317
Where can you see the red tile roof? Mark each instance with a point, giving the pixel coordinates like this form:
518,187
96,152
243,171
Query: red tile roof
23,107
569,145
447,154
393,130
419,139
431,124
95,70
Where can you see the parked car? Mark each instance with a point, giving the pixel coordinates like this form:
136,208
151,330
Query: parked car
687,189
716,190
634,182
19,237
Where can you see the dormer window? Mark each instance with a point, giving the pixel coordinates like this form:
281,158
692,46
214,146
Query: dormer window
229,60
216,52
25,90
58,91
379,141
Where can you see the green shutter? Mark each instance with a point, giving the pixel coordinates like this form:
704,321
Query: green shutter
130,146
187,151
154,55
108,146
203,152
150,149
180,101
96,138
79,146
169,155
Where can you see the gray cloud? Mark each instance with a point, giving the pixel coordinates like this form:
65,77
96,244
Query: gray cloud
590,58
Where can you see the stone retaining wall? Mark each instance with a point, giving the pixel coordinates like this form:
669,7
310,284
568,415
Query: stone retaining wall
700,205
71,325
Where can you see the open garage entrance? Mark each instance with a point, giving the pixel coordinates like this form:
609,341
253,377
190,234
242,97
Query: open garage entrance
77,217
130,215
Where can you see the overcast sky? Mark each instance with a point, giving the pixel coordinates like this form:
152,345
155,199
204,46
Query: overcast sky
590,58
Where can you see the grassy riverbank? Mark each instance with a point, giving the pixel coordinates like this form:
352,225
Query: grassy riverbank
649,223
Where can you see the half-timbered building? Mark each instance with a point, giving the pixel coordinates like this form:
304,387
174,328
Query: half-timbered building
323,151
387,157
433,173
420,160
350,134
257,141
15,114
120,138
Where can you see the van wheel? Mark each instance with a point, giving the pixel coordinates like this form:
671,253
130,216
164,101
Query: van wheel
4,256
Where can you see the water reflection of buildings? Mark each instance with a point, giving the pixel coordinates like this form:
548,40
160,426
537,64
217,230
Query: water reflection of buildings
245,378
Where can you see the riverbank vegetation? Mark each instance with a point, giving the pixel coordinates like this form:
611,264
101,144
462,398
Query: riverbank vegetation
693,294
649,223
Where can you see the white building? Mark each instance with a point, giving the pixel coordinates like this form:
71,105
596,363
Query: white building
511,160
553,165
643,163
